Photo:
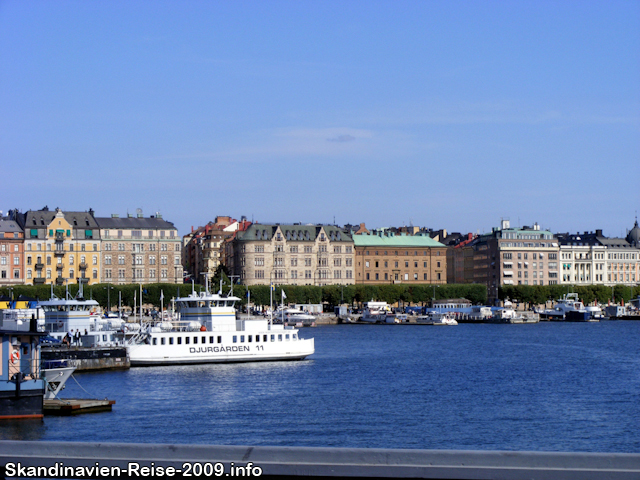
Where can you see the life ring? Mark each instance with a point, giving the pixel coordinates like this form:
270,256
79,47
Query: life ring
15,356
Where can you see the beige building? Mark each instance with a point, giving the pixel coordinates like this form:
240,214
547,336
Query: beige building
510,256
293,255
136,249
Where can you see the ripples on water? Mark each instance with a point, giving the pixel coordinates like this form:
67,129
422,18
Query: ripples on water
551,386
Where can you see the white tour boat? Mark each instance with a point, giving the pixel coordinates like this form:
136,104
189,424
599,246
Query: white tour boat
207,331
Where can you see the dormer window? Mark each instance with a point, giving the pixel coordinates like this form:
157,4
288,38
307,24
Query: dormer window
75,222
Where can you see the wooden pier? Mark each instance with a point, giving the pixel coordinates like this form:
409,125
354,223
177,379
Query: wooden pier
76,406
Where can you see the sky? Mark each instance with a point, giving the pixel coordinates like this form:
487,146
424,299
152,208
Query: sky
441,114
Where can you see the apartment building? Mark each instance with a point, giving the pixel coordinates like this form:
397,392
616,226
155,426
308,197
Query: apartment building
511,256
590,258
138,249
204,248
60,247
293,255
386,257
11,251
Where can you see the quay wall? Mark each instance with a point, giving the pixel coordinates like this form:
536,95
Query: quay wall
294,462
89,358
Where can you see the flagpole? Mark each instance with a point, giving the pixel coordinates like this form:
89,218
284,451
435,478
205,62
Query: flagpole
282,306
271,304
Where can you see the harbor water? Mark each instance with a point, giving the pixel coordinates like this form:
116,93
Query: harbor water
571,387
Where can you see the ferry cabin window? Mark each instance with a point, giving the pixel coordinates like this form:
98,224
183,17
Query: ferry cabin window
211,339
219,339
186,340
195,340
264,338
162,341
295,336
179,340
155,341
279,337
273,338
204,340
286,337
241,338
250,338
170,340
257,338
235,339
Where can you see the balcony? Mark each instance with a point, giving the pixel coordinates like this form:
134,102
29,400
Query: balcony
59,266
38,281
39,266
59,253
83,266
59,281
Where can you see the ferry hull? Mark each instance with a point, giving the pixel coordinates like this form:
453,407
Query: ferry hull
29,403
148,355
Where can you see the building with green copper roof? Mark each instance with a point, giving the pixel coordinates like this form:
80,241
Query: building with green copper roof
389,258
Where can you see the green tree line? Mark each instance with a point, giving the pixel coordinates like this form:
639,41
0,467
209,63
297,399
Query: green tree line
539,294
260,294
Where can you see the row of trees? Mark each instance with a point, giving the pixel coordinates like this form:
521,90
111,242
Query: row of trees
539,294
332,295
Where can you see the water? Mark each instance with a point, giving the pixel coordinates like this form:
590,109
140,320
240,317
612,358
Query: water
544,387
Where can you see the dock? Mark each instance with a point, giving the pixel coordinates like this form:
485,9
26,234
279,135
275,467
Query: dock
76,406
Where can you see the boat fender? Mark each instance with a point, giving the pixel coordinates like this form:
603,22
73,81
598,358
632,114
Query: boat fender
15,356
203,328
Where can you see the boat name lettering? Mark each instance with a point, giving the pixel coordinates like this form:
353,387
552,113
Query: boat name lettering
242,348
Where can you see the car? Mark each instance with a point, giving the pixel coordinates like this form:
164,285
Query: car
50,341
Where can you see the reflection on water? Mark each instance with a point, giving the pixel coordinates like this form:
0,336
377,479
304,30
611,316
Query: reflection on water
27,429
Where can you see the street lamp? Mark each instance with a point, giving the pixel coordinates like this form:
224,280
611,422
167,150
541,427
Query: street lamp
433,300
108,289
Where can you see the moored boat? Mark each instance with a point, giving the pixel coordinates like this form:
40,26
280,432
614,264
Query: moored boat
21,384
376,312
207,331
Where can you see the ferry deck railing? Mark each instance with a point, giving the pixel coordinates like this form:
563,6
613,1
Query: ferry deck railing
293,462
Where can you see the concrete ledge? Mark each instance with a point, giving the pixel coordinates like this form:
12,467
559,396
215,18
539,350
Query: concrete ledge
334,462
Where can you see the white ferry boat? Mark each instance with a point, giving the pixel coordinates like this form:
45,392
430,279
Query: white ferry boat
207,331
71,315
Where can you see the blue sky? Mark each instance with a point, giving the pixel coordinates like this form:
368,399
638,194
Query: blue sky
444,114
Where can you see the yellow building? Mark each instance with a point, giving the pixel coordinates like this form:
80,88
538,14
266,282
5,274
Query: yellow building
61,247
